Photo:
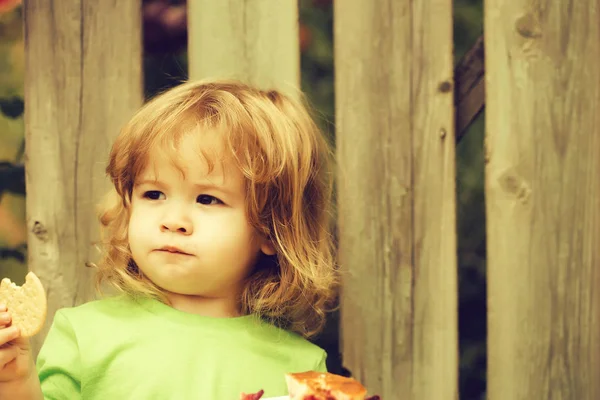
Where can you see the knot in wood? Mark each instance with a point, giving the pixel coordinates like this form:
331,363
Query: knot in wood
445,87
528,26
514,184
40,231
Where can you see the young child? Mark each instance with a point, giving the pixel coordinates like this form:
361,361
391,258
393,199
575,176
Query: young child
218,239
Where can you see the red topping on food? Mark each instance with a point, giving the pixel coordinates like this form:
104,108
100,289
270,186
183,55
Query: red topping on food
252,396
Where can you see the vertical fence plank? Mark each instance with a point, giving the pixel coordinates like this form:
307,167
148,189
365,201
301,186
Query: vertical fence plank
254,41
543,199
396,181
83,80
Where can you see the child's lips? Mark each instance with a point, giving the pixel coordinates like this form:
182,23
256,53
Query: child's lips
173,250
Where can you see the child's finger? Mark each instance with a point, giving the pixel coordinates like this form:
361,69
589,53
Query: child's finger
4,318
8,334
7,355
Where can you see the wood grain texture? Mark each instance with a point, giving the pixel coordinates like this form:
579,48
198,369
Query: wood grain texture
543,199
83,81
256,41
396,183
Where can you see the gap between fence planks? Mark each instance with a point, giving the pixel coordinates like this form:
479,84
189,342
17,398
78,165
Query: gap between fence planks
469,92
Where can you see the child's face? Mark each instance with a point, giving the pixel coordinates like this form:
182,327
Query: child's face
188,230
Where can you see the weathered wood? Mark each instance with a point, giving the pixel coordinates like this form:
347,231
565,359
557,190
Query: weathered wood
83,80
543,199
469,94
254,41
395,140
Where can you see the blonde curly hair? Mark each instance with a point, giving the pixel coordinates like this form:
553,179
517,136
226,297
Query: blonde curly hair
287,165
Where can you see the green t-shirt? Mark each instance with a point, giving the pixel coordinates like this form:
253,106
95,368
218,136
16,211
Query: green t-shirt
120,348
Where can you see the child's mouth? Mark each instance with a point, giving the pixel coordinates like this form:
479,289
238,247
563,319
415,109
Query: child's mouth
174,250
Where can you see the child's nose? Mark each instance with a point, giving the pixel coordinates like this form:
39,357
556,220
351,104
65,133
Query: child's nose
177,222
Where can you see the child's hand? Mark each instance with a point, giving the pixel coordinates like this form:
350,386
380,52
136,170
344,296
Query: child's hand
16,360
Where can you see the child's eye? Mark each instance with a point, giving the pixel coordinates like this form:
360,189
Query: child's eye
208,200
154,195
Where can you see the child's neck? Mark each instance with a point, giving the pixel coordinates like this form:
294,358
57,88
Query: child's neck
205,306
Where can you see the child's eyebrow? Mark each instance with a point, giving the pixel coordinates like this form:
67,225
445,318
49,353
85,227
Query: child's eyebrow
213,186
147,182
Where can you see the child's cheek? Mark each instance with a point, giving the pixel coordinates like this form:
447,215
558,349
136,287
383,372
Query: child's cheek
139,223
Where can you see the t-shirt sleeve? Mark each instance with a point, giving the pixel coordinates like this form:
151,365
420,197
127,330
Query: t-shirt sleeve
322,365
58,363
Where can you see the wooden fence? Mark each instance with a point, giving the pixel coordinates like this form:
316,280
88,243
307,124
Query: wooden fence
395,141
82,82
399,109
543,199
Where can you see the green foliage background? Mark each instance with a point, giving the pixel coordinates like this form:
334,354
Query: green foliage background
12,180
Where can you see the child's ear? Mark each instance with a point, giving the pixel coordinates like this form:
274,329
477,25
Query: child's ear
267,248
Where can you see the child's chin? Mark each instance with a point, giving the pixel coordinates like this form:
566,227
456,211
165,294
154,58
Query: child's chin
177,279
